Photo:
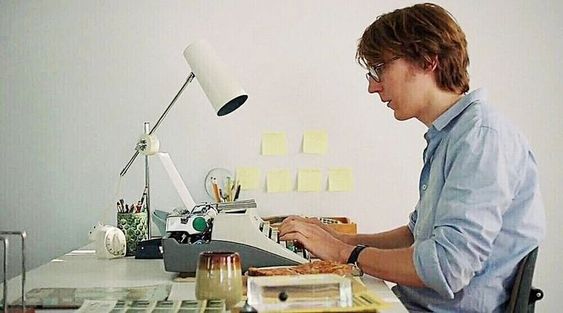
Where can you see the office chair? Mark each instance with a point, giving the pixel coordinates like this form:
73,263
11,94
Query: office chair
523,297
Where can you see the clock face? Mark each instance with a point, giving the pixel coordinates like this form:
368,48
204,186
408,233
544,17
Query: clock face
115,245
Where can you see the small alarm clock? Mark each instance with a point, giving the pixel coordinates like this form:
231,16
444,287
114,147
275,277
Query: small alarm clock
110,241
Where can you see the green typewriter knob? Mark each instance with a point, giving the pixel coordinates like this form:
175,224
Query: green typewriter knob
199,223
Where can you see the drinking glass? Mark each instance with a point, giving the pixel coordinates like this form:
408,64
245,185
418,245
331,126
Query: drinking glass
219,276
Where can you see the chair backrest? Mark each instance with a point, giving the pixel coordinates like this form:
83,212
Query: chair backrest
520,296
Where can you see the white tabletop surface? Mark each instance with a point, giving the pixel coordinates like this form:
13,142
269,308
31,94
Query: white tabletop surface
81,269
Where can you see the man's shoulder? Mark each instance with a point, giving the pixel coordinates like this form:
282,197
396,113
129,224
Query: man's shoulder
482,119
479,114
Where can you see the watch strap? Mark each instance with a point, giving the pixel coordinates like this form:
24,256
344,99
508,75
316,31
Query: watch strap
355,254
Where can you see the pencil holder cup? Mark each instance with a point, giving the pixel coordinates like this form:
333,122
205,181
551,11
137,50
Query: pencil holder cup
219,276
134,226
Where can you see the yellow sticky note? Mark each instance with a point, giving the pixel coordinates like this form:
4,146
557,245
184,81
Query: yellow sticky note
274,143
309,179
248,177
315,141
278,181
340,179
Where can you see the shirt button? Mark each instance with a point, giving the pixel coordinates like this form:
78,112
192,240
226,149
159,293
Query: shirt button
424,187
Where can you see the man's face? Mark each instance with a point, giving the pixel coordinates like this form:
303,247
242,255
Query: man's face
403,88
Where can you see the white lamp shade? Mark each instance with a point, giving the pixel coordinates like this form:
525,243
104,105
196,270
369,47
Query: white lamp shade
218,83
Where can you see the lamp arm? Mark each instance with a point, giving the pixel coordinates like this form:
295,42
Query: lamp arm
137,148
188,80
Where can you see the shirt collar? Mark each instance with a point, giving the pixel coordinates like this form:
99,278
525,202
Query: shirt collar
455,110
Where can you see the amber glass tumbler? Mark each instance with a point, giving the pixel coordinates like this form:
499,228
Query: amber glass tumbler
219,276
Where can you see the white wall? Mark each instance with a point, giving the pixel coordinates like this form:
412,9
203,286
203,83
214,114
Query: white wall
78,78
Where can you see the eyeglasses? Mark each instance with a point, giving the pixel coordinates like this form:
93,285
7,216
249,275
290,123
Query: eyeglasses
374,73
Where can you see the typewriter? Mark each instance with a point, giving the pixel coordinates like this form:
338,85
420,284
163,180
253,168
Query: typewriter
226,227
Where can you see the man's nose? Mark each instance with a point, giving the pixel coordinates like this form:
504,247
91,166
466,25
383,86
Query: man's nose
374,86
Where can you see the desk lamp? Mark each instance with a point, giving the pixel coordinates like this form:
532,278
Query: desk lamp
218,84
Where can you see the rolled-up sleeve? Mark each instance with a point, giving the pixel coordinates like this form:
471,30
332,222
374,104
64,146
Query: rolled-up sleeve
478,186
412,221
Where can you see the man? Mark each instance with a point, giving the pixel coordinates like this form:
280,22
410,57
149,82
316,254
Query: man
479,211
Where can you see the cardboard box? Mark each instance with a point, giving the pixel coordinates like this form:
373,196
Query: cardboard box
345,226
339,223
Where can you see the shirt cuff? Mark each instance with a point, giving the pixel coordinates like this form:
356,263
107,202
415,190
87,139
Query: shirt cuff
427,266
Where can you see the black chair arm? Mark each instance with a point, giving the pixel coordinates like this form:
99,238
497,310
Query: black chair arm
535,295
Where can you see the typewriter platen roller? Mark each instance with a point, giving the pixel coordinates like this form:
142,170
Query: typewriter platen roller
238,230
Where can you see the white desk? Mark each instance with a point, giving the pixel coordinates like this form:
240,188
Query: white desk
81,269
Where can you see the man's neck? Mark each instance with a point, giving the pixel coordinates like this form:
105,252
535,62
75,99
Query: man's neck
438,102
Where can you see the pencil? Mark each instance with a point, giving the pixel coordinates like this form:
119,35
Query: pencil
229,189
216,190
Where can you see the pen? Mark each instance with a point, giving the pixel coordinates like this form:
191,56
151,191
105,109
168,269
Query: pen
237,193
145,191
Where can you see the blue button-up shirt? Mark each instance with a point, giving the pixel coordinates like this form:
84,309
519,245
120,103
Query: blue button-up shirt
479,212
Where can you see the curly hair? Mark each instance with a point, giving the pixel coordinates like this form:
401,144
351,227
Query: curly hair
420,34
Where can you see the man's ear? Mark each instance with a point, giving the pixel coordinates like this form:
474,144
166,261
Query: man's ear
431,63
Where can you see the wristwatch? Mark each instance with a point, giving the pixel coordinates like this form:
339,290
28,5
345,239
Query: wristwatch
353,258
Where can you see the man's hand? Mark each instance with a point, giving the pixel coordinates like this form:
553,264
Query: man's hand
315,221
315,237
